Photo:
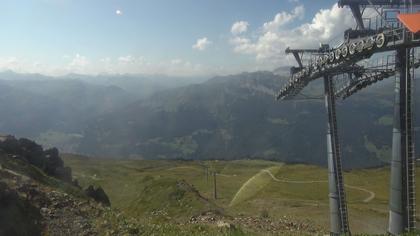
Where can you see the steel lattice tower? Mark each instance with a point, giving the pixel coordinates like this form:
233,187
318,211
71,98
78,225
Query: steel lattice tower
399,34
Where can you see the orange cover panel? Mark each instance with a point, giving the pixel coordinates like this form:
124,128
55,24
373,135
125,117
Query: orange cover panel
411,21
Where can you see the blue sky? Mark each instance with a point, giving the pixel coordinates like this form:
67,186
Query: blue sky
151,36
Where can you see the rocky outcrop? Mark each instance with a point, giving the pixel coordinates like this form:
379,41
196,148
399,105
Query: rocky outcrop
41,209
47,160
55,166
15,208
98,194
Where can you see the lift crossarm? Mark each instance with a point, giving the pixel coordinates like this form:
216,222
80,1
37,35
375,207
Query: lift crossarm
342,3
298,52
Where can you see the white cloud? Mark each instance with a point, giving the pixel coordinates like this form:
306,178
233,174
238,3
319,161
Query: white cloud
128,64
21,65
10,63
242,45
284,18
78,64
79,61
118,12
105,59
269,45
202,44
266,45
176,61
126,59
239,27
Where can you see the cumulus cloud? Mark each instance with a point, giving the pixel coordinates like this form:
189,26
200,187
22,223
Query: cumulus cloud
79,61
284,18
78,64
239,27
202,44
10,63
273,38
266,45
22,65
126,59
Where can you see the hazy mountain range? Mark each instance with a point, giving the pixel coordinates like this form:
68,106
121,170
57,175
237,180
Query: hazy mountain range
159,117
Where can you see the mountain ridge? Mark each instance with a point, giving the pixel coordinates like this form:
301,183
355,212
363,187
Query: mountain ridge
236,117
226,117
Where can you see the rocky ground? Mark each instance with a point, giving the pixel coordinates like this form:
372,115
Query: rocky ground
261,225
64,214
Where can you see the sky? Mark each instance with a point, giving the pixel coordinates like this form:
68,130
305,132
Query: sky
173,37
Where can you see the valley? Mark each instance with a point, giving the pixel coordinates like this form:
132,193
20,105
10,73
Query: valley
245,188
231,117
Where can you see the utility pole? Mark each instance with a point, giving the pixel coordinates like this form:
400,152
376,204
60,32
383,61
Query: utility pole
207,174
214,185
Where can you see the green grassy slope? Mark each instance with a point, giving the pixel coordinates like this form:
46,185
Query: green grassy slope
66,203
24,168
143,188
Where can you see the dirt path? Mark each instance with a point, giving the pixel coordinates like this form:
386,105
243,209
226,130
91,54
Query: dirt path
371,194
292,181
368,199
267,171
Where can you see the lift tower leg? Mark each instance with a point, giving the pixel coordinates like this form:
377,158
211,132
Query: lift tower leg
402,193
338,206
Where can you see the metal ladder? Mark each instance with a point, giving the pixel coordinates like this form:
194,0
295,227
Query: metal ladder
410,161
337,161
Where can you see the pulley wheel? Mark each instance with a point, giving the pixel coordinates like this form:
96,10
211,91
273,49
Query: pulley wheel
337,54
331,57
380,40
345,51
360,46
352,48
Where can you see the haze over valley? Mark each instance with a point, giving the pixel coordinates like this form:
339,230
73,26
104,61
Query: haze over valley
209,118
225,117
